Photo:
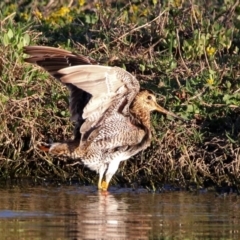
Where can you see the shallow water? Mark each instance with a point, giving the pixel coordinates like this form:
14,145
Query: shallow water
73,212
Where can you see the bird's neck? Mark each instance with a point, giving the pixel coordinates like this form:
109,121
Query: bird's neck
141,114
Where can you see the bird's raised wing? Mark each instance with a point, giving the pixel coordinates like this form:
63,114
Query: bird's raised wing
108,87
52,60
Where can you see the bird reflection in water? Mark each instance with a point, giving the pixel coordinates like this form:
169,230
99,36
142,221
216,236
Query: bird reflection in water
107,216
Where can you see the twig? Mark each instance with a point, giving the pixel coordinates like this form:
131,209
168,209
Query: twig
180,54
9,16
133,30
218,105
198,95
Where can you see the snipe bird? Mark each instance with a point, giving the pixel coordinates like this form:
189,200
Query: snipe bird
111,113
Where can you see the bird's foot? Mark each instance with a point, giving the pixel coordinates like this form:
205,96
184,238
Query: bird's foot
104,186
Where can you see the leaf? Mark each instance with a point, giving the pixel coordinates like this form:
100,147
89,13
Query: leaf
173,65
5,40
63,113
226,98
20,45
26,39
228,83
10,33
229,138
142,67
190,108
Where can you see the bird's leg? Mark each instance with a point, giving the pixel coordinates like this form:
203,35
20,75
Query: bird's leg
102,184
112,168
101,173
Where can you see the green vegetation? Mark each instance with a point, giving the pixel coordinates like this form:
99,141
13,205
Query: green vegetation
185,51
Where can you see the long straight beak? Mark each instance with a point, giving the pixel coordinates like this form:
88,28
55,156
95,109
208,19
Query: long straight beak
162,110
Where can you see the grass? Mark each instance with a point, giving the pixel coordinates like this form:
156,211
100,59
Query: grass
187,52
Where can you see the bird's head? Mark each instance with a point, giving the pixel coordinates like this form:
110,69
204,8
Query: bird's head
148,101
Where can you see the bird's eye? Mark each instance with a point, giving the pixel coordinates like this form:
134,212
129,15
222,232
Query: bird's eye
149,97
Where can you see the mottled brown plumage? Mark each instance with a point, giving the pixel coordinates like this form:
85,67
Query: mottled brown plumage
112,115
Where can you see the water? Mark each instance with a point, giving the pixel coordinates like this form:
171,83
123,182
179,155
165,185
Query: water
73,212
